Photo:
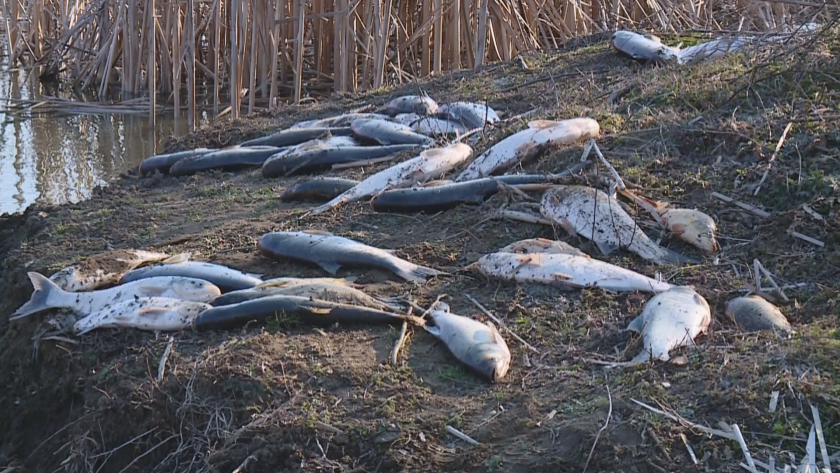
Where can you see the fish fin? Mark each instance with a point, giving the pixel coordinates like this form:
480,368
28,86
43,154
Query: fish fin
419,274
179,258
255,275
271,284
329,266
606,248
636,325
671,256
318,232
392,252
432,329
561,276
145,312
568,227
497,337
40,297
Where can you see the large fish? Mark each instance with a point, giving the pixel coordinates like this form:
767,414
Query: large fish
320,189
105,269
478,345
596,216
144,313
296,136
407,118
289,281
529,143
419,104
542,245
754,313
325,155
645,48
434,127
711,49
339,121
232,158
340,293
163,162
388,133
227,279
48,295
300,309
565,271
431,164
330,252
468,114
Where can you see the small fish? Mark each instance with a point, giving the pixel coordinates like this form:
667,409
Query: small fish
296,136
324,156
528,144
339,121
105,269
388,133
302,309
431,164
542,245
162,162
478,345
754,313
646,48
144,313
596,216
419,104
468,114
340,293
689,225
320,189
227,279
232,158
432,126
330,252
48,295
565,271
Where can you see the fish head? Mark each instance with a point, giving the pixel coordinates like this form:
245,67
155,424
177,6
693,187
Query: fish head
692,226
192,289
489,354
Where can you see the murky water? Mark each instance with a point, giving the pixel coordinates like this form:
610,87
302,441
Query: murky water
62,159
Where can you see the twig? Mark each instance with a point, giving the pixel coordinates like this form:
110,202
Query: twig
601,430
400,341
688,447
821,438
328,427
461,435
241,467
773,157
501,324
162,365
609,166
740,438
747,207
137,458
807,238
522,217
676,418
769,277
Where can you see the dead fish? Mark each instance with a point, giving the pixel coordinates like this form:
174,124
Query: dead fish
477,345
646,48
48,295
228,159
144,313
529,143
407,118
320,189
324,156
330,252
594,215
349,281
388,133
542,245
162,162
565,271
432,126
301,309
689,225
711,49
431,164
339,121
316,290
754,313
296,136
105,269
419,104
468,114
227,279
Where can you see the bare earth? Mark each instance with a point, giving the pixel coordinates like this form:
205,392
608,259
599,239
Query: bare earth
265,393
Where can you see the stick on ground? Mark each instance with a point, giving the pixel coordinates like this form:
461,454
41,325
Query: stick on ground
501,324
773,158
400,340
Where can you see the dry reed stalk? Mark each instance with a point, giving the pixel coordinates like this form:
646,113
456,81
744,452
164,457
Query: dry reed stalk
275,44
217,48
301,13
234,59
151,70
191,65
252,69
481,37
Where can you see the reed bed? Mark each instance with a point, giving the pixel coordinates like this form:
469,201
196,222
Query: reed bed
246,55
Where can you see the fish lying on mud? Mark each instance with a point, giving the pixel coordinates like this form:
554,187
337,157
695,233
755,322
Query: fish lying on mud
163,162
419,104
471,115
641,47
105,269
228,159
48,295
431,164
388,133
324,156
754,313
320,189
330,252
477,345
444,196
689,225
349,281
542,245
565,271
340,293
295,136
528,144
227,279
711,49
299,309
144,313
432,126
596,216
338,121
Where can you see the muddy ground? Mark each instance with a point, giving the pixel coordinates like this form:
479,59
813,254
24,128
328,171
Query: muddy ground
259,398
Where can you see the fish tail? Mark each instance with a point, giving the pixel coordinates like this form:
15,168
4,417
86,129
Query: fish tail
418,274
40,299
670,256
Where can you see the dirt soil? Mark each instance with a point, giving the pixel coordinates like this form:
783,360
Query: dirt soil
277,398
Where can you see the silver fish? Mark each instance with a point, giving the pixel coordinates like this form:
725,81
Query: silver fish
542,245
529,143
105,269
419,104
471,115
145,313
478,345
289,281
228,159
754,313
48,295
227,279
339,121
162,162
711,49
432,126
388,133
325,155
296,136
644,47
320,188
407,118
330,252
340,293
596,216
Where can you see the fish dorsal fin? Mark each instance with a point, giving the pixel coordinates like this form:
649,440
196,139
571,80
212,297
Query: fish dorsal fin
497,337
145,312
636,325
179,258
542,124
318,232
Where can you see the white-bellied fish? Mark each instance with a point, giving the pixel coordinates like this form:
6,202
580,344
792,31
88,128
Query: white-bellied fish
349,281
529,143
468,114
388,132
646,48
419,104
338,121
689,225
594,215
433,127
754,313
542,245
163,162
48,295
105,269
407,118
144,313
227,159
227,279
320,189
325,155
330,252
296,136
324,291
431,164
711,49
564,271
